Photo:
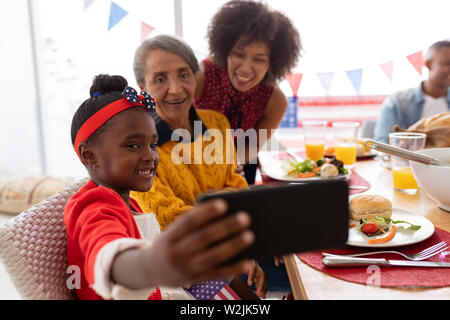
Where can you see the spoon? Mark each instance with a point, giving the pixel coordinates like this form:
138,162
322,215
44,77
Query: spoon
403,153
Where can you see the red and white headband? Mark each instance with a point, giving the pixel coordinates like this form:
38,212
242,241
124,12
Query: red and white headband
130,99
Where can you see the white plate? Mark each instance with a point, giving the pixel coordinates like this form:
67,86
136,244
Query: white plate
402,237
273,167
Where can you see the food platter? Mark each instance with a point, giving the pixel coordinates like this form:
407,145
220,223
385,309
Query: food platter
403,236
280,175
272,165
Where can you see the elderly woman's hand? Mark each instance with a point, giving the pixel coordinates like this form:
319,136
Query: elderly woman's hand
256,274
240,169
278,261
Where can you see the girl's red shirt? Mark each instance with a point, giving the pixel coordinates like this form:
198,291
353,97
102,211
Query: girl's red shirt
93,217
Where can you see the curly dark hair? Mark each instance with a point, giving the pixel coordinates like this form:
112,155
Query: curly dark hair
109,89
252,21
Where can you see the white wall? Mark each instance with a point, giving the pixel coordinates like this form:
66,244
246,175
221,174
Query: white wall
18,131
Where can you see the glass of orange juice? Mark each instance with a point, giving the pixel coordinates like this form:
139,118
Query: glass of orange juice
402,176
314,132
346,141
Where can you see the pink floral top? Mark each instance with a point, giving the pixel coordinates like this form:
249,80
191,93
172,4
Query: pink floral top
243,109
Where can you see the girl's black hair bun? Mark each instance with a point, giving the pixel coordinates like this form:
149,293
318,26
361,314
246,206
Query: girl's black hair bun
104,83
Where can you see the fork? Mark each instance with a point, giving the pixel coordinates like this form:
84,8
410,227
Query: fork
422,255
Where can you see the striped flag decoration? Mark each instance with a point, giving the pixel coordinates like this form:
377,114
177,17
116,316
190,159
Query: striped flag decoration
213,290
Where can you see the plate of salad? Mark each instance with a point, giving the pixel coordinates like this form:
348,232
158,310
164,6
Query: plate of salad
401,229
299,169
328,167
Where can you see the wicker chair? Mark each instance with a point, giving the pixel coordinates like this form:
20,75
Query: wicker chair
33,248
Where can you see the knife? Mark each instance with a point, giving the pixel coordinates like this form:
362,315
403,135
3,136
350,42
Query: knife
346,262
294,155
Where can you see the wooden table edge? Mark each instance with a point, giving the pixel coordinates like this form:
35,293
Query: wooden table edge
295,279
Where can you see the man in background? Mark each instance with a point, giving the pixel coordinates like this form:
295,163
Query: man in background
431,97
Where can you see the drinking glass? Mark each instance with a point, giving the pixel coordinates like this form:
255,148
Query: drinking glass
346,141
314,132
402,176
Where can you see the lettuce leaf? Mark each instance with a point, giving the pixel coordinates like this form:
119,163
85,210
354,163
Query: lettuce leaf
412,226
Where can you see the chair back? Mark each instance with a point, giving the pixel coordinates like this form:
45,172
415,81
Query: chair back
33,248
368,128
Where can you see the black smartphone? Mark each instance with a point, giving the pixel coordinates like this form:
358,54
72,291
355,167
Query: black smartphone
291,218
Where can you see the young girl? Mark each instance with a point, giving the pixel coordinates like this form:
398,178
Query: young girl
121,253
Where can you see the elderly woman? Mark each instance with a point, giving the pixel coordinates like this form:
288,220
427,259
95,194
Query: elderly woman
251,47
191,162
194,154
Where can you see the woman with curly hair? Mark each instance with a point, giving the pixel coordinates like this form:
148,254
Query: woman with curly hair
251,48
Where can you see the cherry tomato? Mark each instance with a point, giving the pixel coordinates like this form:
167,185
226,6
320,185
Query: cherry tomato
369,228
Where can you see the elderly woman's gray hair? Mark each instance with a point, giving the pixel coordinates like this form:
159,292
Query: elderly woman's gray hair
163,42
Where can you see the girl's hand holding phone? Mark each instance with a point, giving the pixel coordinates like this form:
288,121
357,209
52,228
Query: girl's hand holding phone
198,243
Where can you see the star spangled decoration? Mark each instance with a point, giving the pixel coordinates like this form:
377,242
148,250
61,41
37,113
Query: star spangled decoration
213,290
132,96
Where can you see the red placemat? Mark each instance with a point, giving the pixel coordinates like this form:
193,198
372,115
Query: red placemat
417,277
357,180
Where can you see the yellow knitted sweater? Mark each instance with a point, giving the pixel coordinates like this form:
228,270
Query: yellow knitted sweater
187,170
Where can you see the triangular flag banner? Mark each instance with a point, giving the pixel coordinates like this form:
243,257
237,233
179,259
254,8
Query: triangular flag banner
355,78
388,68
145,30
290,116
87,3
326,78
416,60
116,14
294,80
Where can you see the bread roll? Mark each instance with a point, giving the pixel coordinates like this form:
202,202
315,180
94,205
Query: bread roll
439,120
437,129
375,205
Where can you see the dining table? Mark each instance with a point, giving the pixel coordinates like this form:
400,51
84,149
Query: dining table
308,282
